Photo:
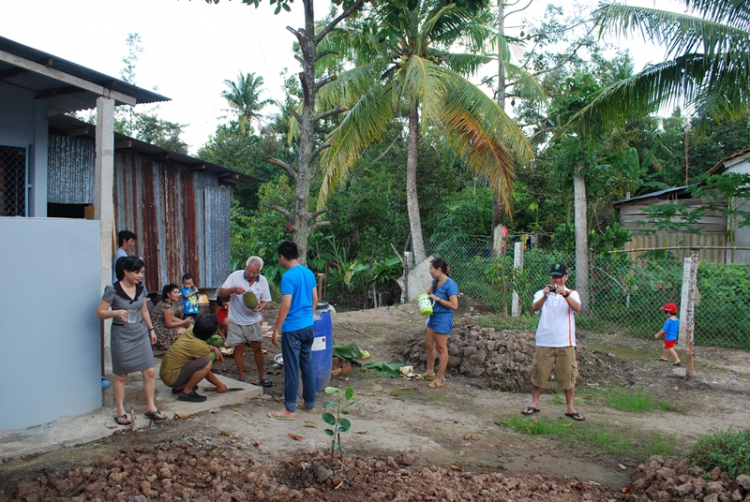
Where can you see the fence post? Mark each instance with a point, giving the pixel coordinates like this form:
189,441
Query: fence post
690,318
682,337
517,268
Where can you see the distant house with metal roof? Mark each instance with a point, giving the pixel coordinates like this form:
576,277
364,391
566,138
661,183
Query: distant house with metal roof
716,230
54,263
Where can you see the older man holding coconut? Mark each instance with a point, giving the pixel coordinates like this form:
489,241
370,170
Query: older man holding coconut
244,314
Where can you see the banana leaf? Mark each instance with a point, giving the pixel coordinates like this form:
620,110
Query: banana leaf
385,368
350,351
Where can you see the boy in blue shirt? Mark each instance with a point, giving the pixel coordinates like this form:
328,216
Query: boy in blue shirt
189,298
299,298
669,331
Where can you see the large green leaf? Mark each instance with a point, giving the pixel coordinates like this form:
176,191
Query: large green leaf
329,419
344,425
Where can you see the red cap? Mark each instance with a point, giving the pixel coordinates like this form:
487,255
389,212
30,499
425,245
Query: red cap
669,307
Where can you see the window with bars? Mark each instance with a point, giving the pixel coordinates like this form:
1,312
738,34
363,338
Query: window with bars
12,181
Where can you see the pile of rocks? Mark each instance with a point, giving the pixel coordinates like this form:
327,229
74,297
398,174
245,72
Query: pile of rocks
504,356
180,471
663,481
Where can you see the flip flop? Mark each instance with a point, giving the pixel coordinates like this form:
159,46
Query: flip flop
305,408
436,384
266,383
530,410
576,416
677,364
663,360
427,376
275,417
120,419
154,415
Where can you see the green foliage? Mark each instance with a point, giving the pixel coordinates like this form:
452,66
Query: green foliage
338,421
728,450
631,400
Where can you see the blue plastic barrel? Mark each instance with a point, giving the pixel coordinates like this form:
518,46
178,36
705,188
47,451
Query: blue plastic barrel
322,349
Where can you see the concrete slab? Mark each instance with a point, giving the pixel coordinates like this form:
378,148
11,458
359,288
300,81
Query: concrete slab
96,424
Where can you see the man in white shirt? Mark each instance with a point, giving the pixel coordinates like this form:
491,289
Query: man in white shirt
556,341
245,323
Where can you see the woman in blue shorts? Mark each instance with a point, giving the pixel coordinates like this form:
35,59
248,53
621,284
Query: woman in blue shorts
444,291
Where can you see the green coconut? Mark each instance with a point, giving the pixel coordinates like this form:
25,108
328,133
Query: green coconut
215,340
212,355
250,300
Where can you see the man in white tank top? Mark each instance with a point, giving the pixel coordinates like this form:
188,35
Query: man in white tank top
556,341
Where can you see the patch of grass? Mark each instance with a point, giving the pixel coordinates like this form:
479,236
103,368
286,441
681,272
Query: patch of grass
631,400
728,450
666,406
607,437
435,396
527,322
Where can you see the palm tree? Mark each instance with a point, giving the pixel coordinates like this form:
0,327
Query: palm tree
243,97
410,64
707,63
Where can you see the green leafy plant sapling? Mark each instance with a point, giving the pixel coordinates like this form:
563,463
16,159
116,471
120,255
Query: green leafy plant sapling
337,421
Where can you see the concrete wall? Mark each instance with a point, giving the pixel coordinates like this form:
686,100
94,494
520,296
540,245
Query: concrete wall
742,234
50,362
23,123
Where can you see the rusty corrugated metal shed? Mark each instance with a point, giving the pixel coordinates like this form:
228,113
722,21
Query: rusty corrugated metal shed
179,206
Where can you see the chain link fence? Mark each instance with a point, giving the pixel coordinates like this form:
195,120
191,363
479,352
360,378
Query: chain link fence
624,293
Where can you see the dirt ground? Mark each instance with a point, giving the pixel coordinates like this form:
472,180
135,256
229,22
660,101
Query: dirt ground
407,442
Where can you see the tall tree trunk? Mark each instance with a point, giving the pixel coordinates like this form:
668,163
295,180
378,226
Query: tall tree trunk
412,203
499,210
582,244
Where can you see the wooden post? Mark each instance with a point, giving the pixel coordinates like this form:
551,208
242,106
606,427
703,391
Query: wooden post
517,269
320,278
682,336
690,317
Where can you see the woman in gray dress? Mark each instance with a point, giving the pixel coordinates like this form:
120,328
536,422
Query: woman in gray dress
132,335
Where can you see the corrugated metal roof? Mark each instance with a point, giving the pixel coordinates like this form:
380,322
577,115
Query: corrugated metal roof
63,125
650,195
64,98
719,167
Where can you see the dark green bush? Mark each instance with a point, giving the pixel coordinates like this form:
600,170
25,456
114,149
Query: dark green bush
728,450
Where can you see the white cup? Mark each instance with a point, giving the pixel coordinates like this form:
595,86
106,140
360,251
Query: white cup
132,316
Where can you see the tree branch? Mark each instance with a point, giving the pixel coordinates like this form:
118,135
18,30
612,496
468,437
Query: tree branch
281,210
328,113
319,224
300,61
325,81
320,36
286,167
386,150
317,151
519,10
296,33
295,115
322,54
312,216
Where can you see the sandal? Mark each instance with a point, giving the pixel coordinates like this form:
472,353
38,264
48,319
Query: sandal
122,419
678,363
265,383
427,376
436,384
305,408
156,416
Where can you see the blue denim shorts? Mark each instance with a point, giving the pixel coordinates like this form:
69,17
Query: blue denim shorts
441,323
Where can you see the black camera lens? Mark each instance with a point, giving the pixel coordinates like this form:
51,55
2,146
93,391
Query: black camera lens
553,289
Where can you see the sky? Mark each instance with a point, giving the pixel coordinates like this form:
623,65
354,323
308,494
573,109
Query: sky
190,47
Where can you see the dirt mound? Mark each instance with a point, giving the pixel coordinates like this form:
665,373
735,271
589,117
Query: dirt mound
181,471
664,481
505,356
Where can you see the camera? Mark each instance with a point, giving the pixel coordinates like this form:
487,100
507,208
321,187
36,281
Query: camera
553,288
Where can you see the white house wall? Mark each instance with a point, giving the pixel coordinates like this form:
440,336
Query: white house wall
23,123
50,365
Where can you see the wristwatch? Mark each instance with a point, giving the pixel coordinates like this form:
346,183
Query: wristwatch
565,294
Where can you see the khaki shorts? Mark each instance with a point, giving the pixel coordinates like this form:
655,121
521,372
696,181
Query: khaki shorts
564,361
237,334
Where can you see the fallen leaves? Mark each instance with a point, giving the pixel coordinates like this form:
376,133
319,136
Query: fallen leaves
468,436
296,437
362,432
312,426
339,485
579,486
457,468
178,416
223,433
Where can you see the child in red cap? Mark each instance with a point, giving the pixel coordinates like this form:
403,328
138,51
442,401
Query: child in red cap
669,331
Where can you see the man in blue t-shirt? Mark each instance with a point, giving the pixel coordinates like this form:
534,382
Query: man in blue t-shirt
295,324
